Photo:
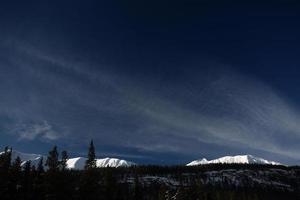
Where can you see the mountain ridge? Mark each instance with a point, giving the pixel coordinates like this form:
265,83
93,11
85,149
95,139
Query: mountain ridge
79,162
238,159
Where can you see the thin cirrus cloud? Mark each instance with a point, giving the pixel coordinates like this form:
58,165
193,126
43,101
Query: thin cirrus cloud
33,131
218,107
245,113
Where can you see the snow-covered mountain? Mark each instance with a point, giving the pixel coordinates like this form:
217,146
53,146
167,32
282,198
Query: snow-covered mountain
79,162
239,159
72,163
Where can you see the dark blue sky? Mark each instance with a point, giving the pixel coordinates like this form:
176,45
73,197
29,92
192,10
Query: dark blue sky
151,81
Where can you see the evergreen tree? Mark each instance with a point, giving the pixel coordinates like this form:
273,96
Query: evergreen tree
5,160
40,167
52,178
63,188
27,168
89,184
27,180
16,168
91,161
5,163
64,158
15,178
39,181
52,161
33,169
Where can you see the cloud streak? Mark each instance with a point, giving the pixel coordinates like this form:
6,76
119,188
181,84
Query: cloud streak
239,111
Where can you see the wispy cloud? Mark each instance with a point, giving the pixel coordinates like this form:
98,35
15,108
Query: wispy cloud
236,111
32,131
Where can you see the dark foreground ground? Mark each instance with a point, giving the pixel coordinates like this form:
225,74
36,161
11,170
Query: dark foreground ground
208,182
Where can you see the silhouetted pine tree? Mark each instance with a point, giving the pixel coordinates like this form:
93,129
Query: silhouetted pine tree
89,184
52,175
39,185
52,161
5,162
64,190
40,167
27,182
64,158
5,159
16,166
15,179
91,160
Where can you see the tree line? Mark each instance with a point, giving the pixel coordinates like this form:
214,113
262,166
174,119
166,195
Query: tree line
51,180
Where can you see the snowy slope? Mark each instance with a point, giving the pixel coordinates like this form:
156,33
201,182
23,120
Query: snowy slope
239,159
79,162
76,163
113,162
34,158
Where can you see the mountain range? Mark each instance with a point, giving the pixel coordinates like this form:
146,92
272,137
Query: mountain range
79,162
